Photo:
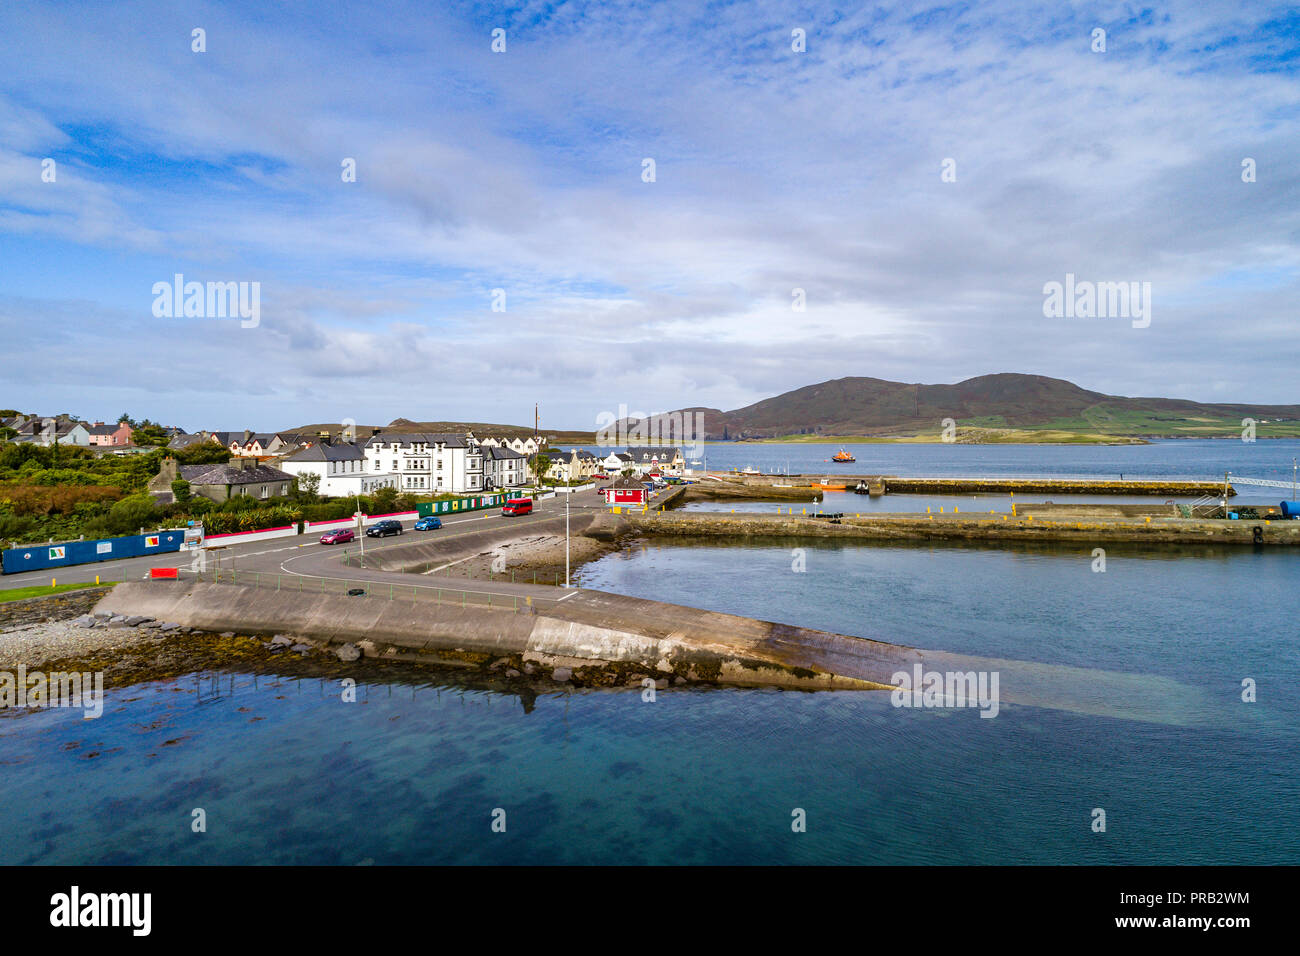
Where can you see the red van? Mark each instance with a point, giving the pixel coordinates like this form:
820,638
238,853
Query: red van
518,506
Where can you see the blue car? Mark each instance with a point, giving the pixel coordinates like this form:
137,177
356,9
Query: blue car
428,524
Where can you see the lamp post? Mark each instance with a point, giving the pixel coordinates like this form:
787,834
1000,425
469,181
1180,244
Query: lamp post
361,531
567,499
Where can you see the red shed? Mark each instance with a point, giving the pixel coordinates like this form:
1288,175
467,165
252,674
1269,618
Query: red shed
626,491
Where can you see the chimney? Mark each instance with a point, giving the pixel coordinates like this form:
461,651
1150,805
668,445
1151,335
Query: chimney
247,436
247,463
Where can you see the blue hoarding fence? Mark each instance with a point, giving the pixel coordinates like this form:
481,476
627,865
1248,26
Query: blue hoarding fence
38,557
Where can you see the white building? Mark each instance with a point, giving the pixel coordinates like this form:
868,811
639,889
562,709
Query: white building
341,469
525,446
503,468
663,459
427,462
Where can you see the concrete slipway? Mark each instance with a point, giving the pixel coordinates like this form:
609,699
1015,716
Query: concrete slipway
607,639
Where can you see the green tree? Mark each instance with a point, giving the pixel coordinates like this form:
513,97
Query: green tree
306,488
541,465
181,490
131,514
384,500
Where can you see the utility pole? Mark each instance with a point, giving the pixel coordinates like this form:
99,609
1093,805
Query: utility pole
361,531
567,499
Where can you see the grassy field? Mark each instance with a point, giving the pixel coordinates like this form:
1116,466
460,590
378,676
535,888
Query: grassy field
43,590
1108,419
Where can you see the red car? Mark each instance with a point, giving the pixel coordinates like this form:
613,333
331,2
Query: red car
341,536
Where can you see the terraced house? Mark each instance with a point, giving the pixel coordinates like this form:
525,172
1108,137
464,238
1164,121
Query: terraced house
503,468
341,468
428,462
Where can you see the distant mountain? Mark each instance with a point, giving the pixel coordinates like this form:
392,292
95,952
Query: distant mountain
873,407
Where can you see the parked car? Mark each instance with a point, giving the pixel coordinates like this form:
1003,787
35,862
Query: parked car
381,529
428,524
339,536
518,506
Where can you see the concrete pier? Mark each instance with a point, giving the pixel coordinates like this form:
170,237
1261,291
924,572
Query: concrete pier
593,631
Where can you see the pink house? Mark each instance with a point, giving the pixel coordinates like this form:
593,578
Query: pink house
116,434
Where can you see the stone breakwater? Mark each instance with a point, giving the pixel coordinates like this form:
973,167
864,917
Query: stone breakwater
1060,486
973,527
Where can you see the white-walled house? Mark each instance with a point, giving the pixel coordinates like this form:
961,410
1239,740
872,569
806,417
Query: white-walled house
525,446
341,469
503,467
427,462
663,459
616,462
49,431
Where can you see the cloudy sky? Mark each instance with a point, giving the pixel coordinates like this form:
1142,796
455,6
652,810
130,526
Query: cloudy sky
523,171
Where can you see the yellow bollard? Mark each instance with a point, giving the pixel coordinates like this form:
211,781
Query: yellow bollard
955,509
1148,519
941,509
53,581
96,578
927,509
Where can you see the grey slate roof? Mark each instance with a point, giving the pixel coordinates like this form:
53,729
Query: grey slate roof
501,453
323,452
646,452
451,440
231,474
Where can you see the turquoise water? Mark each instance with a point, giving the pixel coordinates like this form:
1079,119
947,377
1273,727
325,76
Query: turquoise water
289,773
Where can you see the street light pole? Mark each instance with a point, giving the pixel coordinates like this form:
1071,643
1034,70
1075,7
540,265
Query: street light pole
567,499
361,532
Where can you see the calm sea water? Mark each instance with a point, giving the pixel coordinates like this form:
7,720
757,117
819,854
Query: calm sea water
1187,458
288,773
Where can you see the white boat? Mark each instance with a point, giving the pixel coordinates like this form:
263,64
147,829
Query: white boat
750,470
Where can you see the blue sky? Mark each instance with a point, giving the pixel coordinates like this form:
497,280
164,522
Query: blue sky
522,171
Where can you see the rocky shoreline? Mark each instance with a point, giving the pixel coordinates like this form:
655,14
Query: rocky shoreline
133,649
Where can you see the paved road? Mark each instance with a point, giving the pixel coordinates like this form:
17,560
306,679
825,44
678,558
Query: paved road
303,554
